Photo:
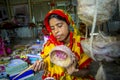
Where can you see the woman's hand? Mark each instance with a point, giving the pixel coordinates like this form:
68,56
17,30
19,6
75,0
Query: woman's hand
38,65
71,69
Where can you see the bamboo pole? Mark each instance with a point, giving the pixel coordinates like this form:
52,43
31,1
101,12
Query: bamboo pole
29,6
8,8
23,72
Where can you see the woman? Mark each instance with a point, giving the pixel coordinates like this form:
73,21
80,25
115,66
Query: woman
59,23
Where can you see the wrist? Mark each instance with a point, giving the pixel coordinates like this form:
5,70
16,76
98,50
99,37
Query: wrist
81,73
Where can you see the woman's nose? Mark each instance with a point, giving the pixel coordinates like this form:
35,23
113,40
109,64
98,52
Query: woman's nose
56,30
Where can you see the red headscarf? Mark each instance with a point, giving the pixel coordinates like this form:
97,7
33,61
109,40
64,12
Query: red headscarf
58,12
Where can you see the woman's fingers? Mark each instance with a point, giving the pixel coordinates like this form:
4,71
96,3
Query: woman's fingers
37,66
76,70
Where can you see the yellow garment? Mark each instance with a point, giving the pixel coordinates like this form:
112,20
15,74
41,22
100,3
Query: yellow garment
56,71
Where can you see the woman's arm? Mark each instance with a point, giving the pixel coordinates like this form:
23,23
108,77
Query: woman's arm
81,73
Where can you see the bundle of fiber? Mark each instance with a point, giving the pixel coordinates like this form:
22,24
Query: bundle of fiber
105,48
86,10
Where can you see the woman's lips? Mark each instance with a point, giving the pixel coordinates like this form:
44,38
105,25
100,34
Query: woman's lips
58,37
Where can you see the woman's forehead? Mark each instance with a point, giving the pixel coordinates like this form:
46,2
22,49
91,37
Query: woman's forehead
54,21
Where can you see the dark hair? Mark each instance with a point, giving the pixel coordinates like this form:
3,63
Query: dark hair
57,17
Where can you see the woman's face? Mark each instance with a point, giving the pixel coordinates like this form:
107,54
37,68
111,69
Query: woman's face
59,29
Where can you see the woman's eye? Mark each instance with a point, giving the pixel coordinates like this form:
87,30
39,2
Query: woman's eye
59,25
52,28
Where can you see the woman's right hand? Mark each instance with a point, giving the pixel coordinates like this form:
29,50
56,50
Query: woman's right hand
38,65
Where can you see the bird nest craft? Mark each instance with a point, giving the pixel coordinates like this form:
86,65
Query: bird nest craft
62,56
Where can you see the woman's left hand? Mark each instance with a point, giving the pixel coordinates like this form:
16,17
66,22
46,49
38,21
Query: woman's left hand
72,68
